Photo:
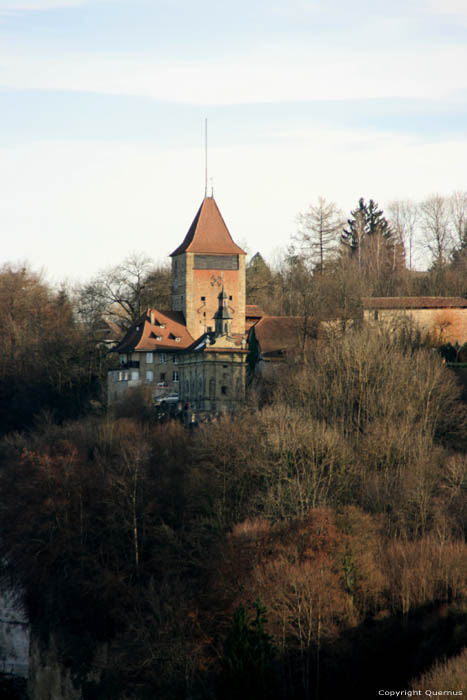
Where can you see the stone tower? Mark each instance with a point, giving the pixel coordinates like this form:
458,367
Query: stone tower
207,261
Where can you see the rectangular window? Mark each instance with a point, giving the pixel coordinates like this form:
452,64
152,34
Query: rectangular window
123,359
162,357
216,262
175,359
135,376
162,377
149,375
175,376
149,358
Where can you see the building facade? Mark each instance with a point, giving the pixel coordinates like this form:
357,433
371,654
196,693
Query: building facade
443,318
206,261
196,352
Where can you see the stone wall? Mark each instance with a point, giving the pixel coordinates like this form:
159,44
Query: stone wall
447,325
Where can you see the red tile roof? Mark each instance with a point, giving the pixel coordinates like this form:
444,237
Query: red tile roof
208,233
414,302
160,335
278,333
253,311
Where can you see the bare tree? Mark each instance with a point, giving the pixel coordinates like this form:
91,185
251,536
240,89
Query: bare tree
123,292
404,215
436,227
318,232
458,212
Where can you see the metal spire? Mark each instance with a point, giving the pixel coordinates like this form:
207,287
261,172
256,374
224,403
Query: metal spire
206,157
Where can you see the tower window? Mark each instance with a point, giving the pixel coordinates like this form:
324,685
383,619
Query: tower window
203,298
230,298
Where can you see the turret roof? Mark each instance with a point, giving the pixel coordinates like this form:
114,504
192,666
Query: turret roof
208,233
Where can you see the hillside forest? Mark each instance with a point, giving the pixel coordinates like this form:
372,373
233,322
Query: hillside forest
313,542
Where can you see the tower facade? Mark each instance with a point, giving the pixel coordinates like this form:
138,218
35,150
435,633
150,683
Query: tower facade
206,262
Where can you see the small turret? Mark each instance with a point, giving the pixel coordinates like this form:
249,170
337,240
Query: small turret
222,317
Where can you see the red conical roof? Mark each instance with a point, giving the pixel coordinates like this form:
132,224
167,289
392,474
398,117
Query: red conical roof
208,233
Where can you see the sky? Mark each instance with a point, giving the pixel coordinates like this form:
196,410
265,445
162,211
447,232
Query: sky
103,106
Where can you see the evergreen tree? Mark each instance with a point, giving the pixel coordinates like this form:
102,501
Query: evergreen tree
373,245
259,282
248,656
367,220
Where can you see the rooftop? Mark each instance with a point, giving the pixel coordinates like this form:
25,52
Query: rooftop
208,233
278,333
156,330
414,302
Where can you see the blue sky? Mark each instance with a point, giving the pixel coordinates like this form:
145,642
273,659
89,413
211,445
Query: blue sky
103,103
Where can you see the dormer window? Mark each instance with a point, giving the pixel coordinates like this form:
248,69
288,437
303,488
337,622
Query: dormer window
158,337
177,340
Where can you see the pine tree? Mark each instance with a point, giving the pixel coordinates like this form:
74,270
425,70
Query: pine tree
372,243
248,656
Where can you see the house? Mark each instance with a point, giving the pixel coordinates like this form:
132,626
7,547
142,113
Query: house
273,339
197,350
212,370
444,318
149,355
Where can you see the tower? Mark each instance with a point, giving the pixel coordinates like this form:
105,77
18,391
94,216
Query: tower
222,317
206,262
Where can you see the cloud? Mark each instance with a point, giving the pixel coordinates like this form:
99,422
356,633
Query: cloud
12,6
456,7
263,75
75,208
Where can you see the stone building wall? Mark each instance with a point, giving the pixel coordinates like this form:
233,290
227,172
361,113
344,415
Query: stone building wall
213,380
195,292
160,375
447,325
